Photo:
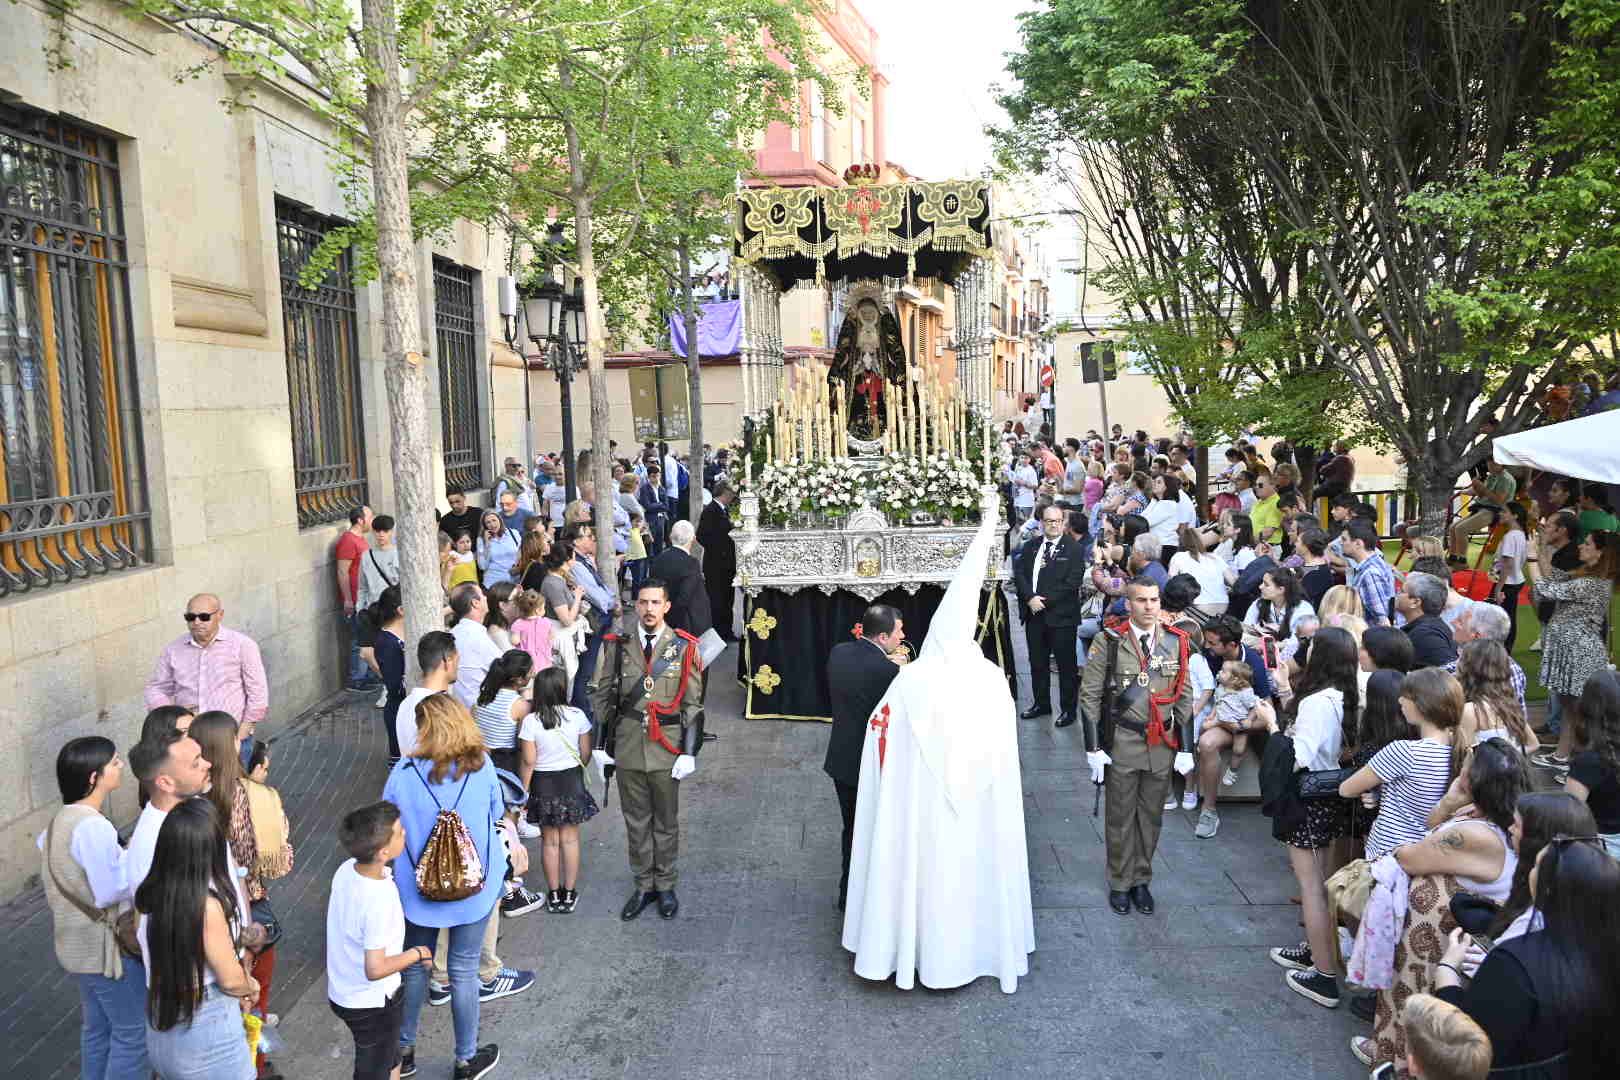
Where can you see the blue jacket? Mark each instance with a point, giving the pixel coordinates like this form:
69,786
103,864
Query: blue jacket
476,797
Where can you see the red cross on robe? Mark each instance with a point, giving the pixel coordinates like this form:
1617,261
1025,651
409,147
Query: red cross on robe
870,386
880,724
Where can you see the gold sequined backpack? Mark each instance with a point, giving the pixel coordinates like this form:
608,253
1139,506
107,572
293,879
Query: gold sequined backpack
449,867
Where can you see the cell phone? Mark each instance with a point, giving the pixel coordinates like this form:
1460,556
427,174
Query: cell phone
1268,651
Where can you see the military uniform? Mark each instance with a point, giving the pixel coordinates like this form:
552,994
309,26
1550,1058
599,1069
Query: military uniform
644,752
1139,777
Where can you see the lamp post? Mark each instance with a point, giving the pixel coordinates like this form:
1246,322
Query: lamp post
556,324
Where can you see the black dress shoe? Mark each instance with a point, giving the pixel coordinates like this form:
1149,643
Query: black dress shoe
1142,899
1033,711
1064,719
668,905
638,902
1120,902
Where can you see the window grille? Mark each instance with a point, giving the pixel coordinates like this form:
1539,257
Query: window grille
454,290
72,475
323,372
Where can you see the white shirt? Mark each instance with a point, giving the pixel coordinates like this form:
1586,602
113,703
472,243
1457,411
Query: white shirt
1024,481
362,913
1318,731
1301,610
555,496
1210,572
552,747
405,719
1189,510
1162,517
95,848
672,476
142,845
477,651
1511,555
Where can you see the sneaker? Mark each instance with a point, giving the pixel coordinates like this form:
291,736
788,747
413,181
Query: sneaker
528,831
1363,1048
438,993
554,901
407,1062
507,981
1229,778
1549,759
382,698
1297,958
1209,822
570,898
1312,984
1189,801
479,1064
520,901
1170,801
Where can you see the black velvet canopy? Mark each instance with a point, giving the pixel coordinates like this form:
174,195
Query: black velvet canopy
865,231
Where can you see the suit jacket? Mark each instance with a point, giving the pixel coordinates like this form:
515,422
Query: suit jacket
719,550
688,599
858,675
1060,580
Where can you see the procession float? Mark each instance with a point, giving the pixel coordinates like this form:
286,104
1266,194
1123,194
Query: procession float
861,479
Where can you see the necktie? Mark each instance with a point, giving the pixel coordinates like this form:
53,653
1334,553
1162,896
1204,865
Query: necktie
646,648
1046,557
1147,646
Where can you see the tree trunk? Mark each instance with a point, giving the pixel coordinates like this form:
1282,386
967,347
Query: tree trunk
607,561
411,442
1305,461
694,386
1435,488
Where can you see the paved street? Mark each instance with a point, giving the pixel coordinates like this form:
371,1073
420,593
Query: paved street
750,980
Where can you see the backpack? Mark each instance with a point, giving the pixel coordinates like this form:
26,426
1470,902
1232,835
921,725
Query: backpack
449,867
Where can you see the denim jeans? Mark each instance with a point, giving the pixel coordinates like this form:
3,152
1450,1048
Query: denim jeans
211,1047
358,674
1088,629
1555,714
112,1038
465,942
581,697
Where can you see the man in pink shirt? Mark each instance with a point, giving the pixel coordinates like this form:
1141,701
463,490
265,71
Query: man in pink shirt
211,668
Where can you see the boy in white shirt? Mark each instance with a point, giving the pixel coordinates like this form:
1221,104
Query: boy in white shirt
365,941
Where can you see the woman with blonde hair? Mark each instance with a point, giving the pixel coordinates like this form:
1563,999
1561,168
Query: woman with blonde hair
448,769
1341,600
531,570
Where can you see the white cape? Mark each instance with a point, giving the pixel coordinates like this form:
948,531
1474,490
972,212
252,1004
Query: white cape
939,873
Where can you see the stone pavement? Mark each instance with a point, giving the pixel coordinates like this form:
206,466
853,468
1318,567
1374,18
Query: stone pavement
750,980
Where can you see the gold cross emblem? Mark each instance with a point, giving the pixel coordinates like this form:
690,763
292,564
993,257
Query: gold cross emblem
762,623
765,679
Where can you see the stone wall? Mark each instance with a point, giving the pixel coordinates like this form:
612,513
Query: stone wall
199,188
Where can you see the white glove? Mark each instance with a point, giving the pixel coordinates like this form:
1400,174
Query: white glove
685,765
1098,760
1184,763
600,759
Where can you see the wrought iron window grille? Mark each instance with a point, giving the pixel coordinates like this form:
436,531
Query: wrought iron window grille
455,292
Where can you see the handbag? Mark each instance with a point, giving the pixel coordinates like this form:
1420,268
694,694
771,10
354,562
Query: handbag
123,926
1324,784
1348,889
449,868
265,916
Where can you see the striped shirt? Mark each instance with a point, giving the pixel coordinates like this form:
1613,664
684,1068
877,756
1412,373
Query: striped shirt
1415,774
495,722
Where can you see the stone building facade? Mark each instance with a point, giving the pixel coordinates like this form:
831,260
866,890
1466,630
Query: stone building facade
179,413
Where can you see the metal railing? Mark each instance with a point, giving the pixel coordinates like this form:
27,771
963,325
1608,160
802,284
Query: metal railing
454,293
72,475
323,372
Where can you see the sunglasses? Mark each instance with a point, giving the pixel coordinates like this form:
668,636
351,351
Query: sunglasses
196,616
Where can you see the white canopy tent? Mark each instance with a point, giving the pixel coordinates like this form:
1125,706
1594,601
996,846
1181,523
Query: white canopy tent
1588,448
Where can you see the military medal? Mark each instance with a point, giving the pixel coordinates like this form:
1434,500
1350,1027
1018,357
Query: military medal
1141,678
647,685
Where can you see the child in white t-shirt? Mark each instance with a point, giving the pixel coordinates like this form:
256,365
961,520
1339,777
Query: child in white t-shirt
555,741
365,940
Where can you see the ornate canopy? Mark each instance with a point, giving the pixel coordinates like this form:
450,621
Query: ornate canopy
864,231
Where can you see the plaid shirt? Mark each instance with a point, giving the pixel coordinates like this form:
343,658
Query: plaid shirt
1374,579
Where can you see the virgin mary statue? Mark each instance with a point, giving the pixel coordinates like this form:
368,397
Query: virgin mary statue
870,360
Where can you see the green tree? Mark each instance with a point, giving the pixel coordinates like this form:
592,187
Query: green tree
633,129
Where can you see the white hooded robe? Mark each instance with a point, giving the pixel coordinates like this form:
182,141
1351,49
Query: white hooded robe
939,873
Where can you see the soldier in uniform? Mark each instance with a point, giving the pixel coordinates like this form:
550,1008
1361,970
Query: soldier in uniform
1136,701
648,695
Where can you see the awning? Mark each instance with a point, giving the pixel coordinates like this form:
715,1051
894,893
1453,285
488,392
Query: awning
1588,448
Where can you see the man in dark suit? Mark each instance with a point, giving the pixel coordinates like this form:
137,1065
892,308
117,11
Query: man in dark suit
683,577
719,556
858,674
1047,572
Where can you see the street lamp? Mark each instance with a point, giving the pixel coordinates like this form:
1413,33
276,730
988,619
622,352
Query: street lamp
556,321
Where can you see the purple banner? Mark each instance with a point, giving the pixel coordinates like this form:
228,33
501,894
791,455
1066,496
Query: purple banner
719,329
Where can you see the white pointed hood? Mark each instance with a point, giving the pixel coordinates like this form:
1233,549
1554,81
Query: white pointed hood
951,696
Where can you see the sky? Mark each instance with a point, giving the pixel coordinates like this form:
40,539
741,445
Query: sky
941,57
